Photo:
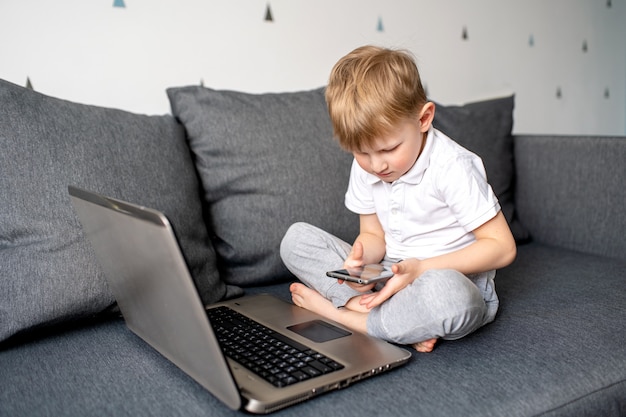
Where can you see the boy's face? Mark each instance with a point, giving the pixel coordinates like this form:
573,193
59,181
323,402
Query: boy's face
394,154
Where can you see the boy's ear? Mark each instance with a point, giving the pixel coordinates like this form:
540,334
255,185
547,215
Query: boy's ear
426,116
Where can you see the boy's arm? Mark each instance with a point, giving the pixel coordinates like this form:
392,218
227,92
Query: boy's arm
494,248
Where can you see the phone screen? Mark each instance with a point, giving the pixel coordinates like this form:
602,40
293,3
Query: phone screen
364,275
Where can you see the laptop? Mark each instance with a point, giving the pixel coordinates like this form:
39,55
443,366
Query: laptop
289,355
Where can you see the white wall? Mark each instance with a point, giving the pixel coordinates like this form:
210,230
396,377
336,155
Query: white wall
93,52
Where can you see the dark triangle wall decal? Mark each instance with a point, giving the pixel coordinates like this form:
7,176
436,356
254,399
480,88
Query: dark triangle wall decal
268,14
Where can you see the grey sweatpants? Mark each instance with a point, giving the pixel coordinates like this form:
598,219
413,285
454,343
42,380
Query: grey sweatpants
439,304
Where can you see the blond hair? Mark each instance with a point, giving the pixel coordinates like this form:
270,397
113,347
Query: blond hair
370,91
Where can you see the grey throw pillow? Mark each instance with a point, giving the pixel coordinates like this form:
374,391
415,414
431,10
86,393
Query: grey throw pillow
48,272
485,128
266,161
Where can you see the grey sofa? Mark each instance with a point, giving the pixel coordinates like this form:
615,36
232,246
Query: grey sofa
232,171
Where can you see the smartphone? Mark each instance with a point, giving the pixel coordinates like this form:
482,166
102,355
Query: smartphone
367,274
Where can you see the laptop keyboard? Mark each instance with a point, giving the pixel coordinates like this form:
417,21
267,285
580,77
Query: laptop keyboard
274,357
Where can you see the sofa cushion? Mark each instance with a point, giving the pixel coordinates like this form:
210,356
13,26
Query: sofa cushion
48,272
266,161
485,127
580,184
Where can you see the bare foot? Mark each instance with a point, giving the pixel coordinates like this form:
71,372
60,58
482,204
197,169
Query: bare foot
311,300
426,345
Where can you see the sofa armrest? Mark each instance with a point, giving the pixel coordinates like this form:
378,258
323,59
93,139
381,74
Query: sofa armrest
570,191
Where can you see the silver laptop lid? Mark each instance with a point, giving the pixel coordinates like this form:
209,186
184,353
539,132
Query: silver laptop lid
148,288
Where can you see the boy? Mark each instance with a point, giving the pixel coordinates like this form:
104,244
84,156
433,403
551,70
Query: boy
425,208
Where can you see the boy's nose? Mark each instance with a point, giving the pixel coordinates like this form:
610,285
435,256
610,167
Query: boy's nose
378,165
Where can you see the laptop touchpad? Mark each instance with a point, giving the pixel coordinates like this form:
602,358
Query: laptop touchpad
318,331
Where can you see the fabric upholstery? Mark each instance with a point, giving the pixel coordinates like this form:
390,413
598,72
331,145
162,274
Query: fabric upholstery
592,197
48,272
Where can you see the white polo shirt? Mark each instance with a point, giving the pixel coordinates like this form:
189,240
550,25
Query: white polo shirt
433,208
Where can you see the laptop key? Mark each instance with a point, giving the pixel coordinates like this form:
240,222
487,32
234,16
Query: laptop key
320,367
311,371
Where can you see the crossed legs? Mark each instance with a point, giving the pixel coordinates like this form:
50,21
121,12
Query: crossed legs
439,304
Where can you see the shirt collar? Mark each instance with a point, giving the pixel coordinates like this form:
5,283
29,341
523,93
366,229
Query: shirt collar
416,173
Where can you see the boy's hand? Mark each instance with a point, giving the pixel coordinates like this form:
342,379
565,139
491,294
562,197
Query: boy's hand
355,260
405,273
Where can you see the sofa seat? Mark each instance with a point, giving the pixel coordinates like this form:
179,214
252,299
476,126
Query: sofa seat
557,348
